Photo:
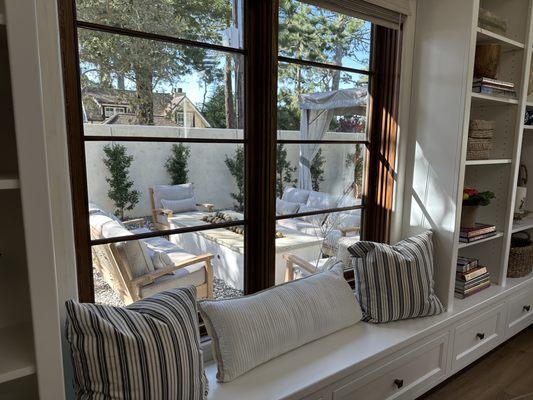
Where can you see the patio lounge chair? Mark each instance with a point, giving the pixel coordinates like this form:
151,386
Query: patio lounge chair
139,268
169,200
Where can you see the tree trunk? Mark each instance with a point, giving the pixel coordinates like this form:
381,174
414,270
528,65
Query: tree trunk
120,82
144,104
228,94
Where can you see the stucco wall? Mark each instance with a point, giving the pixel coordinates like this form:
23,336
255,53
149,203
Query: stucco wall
212,179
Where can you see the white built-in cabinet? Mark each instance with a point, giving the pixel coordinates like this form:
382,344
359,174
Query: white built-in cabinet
17,358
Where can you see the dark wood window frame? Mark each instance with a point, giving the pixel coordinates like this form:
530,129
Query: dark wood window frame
261,59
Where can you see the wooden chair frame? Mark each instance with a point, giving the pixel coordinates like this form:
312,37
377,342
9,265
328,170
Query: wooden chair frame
117,273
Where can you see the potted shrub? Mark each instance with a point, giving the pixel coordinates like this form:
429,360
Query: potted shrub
472,200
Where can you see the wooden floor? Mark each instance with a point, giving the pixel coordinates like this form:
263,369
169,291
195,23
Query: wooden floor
504,374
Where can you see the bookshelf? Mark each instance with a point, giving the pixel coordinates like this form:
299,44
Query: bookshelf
442,89
485,36
496,161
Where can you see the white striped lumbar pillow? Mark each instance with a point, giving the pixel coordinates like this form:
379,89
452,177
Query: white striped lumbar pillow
396,282
251,330
148,350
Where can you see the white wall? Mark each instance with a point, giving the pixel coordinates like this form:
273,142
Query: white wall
207,169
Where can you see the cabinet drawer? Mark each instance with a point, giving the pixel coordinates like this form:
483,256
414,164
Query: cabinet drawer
403,377
476,336
520,312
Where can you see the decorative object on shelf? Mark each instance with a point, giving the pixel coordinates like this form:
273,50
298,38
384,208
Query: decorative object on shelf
480,139
476,233
521,192
528,117
465,264
470,278
520,255
494,87
491,22
472,199
487,60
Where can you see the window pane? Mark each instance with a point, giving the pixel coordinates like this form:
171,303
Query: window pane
321,104
137,87
217,22
315,239
143,257
205,182
307,32
334,170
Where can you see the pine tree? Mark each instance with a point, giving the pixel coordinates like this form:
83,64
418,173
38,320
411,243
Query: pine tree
118,163
317,170
176,164
284,170
235,165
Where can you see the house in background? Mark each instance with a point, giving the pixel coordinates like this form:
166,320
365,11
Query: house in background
115,106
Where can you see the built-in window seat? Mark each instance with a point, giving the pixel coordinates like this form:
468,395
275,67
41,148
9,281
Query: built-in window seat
379,361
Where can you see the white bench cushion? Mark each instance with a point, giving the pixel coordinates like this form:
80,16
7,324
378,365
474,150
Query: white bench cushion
250,330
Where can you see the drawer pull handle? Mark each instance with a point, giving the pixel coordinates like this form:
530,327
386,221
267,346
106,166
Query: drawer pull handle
398,383
480,336
526,308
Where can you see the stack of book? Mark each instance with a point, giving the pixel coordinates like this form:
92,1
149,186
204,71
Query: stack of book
493,87
478,232
471,277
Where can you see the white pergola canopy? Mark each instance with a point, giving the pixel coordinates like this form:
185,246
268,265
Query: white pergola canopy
317,111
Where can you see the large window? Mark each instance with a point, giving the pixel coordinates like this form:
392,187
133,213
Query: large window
210,144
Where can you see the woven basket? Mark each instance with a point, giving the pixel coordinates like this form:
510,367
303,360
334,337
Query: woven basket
479,144
481,133
482,124
477,154
520,256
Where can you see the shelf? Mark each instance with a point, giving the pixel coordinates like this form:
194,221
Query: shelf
480,98
489,162
8,182
523,225
528,127
485,36
464,245
16,350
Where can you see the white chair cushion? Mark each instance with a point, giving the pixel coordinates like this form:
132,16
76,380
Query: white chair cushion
295,195
178,206
133,252
191,275
317,219
321,201
286,207
172,192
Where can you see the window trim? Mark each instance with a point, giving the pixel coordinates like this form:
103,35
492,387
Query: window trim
261,58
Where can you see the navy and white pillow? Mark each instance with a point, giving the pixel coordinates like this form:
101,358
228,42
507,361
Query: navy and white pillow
396,282
147,350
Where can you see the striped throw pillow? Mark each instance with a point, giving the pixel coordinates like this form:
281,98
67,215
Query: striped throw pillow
148,350
396,282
